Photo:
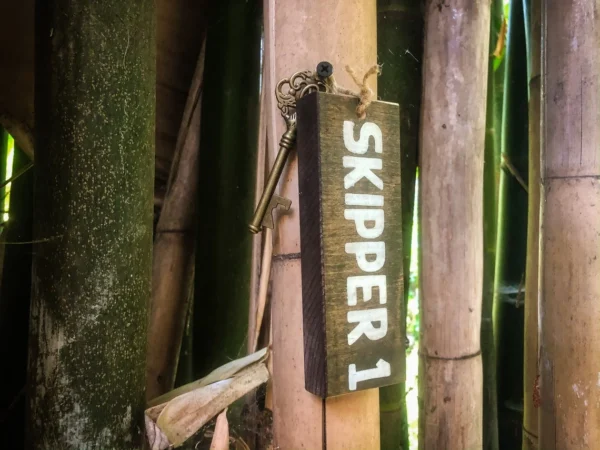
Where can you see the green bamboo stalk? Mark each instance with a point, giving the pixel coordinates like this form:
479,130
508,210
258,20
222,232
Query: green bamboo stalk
400,50
491,170
93,194
531,370
15,294
512,236
227,184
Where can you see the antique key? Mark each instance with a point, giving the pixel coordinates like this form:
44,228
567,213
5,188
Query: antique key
288,91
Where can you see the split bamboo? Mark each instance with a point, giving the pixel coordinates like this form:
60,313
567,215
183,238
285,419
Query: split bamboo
93,195
298,35
531,348
400,51
570,242
512,235
455,67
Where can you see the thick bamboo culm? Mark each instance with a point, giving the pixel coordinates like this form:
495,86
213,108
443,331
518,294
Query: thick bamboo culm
93,196
455,71
531,348
298,35
570,243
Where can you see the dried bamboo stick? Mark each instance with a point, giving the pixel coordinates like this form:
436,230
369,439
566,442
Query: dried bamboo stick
174,249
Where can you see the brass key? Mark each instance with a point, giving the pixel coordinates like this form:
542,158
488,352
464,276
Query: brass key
298,85
263,217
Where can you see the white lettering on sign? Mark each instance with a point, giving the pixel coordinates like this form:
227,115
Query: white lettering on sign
364,200
381,370
365,319
362,249
368,130
369,222
361,217
367,283
362,168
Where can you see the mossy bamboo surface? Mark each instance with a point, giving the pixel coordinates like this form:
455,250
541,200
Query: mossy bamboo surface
93,196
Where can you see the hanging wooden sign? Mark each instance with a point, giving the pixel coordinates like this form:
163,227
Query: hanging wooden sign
351,244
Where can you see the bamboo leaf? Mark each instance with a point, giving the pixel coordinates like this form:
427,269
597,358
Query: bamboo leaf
183,416
220,440
221,373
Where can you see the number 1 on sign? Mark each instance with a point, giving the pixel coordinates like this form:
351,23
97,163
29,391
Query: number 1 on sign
381,370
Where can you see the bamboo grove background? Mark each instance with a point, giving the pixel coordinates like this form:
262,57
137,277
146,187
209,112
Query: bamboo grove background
499,144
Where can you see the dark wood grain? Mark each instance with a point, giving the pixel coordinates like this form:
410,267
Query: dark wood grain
331,348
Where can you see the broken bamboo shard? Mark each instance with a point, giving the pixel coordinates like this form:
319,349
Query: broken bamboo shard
570,242
298,35
455,66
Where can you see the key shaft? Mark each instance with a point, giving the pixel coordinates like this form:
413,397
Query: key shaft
286,143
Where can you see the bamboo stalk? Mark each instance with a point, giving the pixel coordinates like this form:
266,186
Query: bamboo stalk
531,347
227,184
512,235
400,51
298,35
174,249
94,176
491,168
455,66
570,224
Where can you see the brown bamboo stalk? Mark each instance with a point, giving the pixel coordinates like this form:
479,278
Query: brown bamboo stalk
531,347
174,249
455,66
299,34
570,242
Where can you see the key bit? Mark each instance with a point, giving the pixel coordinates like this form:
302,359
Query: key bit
276,201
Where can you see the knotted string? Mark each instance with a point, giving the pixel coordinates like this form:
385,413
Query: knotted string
365,93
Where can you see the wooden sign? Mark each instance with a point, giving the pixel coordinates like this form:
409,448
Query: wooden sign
351,243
